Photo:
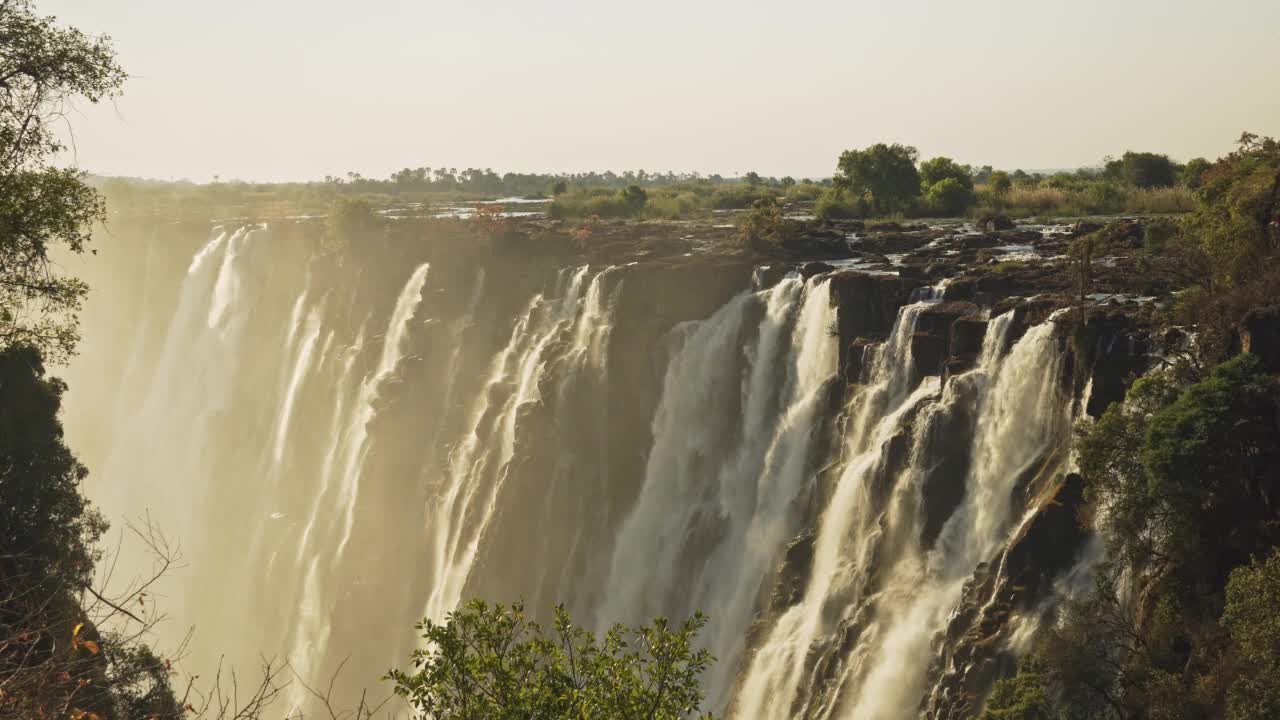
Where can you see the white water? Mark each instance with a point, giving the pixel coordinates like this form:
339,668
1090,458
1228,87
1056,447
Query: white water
740,474
736,470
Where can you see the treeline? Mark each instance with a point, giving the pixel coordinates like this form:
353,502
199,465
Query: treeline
888,180
878,181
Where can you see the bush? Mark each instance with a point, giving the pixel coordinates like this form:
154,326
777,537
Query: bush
494,662
763,228
834,204
950,196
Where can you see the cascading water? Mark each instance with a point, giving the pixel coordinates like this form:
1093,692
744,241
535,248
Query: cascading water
345,444
723,494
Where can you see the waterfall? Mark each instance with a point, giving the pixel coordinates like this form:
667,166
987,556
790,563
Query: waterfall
721,494
342,445
461,509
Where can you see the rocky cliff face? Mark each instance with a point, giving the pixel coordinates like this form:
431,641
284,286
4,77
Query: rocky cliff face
435,413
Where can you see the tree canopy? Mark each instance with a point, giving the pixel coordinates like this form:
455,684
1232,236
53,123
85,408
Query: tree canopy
44,68
493,662
885,173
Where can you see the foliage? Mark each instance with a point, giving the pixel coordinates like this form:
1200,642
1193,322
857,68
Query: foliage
834,204
1021,697
42,68
1236,225
625,202
494,662
938,169
763,228
1212,458
1144,170
886,174
950,196
999,182
1252,616
350,219
46,530
1192,175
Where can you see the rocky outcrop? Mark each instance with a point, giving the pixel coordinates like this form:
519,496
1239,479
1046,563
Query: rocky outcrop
992,223
1111,349
931,343
867,305
1259,333
976,648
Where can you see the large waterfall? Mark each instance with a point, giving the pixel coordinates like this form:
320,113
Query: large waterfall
341,443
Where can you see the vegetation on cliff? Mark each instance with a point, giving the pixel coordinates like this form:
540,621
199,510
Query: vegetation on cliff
1183,480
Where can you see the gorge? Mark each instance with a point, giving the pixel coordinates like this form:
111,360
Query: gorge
857,463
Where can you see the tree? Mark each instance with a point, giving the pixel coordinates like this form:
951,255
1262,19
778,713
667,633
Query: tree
560,187
752,178
1252,616
1193,172
886,173
938,169
492,662
1143,169
999,182
950,196
43,68
633,198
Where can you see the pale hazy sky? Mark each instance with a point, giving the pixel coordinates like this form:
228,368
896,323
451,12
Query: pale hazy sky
276,89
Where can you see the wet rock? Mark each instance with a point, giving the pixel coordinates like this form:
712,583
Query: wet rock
1259,333
866,306
895,242
930,345
808,270
1084,227
994,223
766,276
967,334
974,652
978,242
1112,349
1019,237
793,575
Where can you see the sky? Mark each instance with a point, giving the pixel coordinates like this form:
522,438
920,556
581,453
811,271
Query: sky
273,90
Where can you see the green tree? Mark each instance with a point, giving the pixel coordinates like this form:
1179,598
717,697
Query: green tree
634,198
42,68
938,169
1252,616
1143,169
492,662
1192,174
885,173
1021,697
999,182
560,187
752,178
950,196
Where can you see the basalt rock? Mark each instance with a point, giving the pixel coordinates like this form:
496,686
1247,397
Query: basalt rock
1111,349
994,223
1259,333
930,345
975,649
867,305
967,334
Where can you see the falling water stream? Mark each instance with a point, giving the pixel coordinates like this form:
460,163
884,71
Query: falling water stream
340,450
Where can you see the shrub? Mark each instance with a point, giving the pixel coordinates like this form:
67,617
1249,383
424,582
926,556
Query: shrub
494,662
834,204
950,196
